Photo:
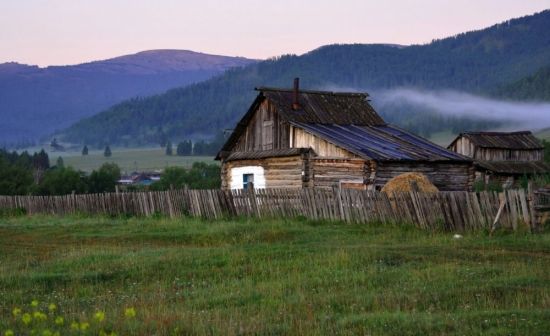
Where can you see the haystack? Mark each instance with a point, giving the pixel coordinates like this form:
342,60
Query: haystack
402,183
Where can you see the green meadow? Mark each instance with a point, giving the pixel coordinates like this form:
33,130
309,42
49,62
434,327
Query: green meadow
128,159
246,276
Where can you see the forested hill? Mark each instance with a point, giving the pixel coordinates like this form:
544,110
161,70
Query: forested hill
37,101
477,61
535,87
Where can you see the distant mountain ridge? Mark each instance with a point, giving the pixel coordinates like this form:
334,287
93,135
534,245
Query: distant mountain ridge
165,60
36,101
475,62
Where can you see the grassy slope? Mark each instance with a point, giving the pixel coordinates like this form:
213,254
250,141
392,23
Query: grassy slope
142,159
297,277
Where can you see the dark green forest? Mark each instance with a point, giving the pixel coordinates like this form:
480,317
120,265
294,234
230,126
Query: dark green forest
476,62
535,87
26,174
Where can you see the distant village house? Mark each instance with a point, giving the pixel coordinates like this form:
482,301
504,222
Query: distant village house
502,157
139,179
292,138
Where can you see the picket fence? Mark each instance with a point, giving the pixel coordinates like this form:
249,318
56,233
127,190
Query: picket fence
453,211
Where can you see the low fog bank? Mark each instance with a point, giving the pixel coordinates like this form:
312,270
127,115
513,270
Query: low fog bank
515,115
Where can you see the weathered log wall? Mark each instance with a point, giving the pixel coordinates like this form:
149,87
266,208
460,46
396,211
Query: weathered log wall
264,131
279,172
446,176
328,173
299,138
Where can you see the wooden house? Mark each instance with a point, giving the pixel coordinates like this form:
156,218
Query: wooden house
292,138
502,157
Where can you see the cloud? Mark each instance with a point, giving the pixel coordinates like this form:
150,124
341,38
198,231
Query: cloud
532,115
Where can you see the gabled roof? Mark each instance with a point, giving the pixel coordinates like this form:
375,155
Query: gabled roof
324,107
345,119
502,140
382,143
515,167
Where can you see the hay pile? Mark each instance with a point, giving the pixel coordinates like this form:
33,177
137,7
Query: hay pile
402,183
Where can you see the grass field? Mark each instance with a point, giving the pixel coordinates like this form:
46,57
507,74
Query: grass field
135,159
190,276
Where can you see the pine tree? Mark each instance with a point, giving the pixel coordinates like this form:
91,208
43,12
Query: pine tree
41,160
184,148
85,150
169,148
60,163
107,152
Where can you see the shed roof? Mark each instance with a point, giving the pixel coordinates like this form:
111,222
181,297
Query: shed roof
382,143
514,167
502,140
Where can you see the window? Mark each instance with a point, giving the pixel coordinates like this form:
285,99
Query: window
248,180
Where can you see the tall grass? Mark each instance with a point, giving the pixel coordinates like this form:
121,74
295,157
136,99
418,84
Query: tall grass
275,276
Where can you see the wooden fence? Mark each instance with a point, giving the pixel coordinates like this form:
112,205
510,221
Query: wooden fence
453,211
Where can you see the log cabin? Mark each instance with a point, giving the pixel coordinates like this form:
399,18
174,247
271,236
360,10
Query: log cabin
292,138
502,157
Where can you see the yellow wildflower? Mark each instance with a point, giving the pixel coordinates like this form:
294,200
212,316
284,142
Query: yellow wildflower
8,332
52,307
130,312
59,320
39,316
84,326
99,316
75,325
26,318
16,311
34,303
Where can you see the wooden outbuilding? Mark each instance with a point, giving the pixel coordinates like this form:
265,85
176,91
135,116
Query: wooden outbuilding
502,157
292,138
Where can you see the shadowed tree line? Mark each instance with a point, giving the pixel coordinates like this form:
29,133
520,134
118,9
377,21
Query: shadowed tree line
24,174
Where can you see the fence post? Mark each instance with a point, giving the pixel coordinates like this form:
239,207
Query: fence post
251,193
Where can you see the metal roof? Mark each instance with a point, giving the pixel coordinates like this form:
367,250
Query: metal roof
382,143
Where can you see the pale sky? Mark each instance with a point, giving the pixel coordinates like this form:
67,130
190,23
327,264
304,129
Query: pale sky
57,32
